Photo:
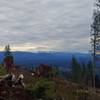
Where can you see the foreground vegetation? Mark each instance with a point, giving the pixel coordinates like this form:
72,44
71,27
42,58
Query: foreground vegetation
47,88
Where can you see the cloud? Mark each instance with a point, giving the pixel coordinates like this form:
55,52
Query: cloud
62,25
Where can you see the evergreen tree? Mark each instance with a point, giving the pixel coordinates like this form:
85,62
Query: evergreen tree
76,70
7,50
8,59
95,36
89,66
84,72
8,53
90,73
97,79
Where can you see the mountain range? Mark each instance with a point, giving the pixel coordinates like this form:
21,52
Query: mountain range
59,59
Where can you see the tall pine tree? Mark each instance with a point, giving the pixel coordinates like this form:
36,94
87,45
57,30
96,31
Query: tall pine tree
95,36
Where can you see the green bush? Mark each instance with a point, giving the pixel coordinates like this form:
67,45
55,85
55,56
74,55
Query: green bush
43,89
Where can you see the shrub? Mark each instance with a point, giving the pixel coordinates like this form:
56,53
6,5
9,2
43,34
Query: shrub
43,89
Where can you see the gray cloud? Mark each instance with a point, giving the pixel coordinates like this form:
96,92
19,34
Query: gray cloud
62,25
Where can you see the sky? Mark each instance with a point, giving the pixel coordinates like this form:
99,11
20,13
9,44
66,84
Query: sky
46,25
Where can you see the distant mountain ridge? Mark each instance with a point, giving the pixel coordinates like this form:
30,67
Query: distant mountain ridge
60,59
